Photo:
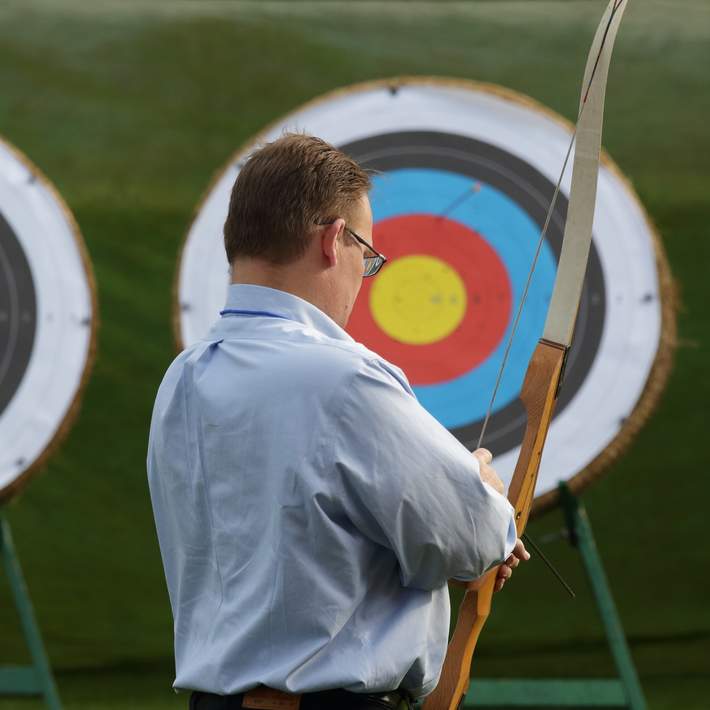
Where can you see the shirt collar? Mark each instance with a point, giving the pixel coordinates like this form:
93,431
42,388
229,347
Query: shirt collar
248,297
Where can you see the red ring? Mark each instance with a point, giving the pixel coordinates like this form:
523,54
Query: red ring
488,294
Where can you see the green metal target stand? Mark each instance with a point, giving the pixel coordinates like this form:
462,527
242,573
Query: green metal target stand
35,679
624,691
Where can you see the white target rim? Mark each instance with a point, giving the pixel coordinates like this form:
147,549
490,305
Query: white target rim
41,411
635,350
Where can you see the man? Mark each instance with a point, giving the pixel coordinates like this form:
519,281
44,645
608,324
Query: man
309,510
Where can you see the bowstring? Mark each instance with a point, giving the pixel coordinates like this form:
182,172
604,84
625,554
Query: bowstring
543,233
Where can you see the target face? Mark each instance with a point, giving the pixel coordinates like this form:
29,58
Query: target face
46,318
463,177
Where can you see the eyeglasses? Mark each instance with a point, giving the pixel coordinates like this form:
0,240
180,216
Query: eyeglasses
372,263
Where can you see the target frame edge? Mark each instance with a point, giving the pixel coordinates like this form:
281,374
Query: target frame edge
663,358
17,485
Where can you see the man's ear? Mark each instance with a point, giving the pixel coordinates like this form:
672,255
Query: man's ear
329,240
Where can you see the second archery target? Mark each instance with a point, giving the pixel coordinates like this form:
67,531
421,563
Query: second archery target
463,175
47,318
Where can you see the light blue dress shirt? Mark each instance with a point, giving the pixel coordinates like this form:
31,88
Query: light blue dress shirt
309,510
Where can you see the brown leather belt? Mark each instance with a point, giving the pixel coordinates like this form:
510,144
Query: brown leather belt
270,699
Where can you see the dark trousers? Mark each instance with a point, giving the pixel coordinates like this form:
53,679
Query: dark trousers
326,700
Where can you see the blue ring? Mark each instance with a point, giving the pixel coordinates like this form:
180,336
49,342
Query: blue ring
513,235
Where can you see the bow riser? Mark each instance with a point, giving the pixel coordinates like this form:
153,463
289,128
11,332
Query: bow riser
538,395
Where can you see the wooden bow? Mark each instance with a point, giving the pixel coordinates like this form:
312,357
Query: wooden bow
544,373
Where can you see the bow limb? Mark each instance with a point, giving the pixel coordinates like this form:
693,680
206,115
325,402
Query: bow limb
545,370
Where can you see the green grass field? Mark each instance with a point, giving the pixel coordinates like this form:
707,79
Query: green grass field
131,107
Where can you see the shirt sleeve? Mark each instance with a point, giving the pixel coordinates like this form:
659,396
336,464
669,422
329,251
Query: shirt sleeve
408,484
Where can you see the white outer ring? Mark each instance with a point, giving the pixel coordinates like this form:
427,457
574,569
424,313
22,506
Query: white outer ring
62,344
622,237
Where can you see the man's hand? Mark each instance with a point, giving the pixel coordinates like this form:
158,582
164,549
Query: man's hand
488,473
505,571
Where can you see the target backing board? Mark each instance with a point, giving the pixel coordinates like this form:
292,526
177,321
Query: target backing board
47,321
463,175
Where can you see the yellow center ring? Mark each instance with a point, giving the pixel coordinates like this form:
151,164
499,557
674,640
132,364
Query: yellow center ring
418,300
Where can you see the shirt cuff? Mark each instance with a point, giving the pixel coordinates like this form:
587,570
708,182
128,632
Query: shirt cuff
511,538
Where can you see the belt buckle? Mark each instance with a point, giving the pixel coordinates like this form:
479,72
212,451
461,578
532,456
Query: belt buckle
263,698
394,700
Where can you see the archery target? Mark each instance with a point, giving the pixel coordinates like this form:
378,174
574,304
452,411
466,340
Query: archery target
46,318
463,175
